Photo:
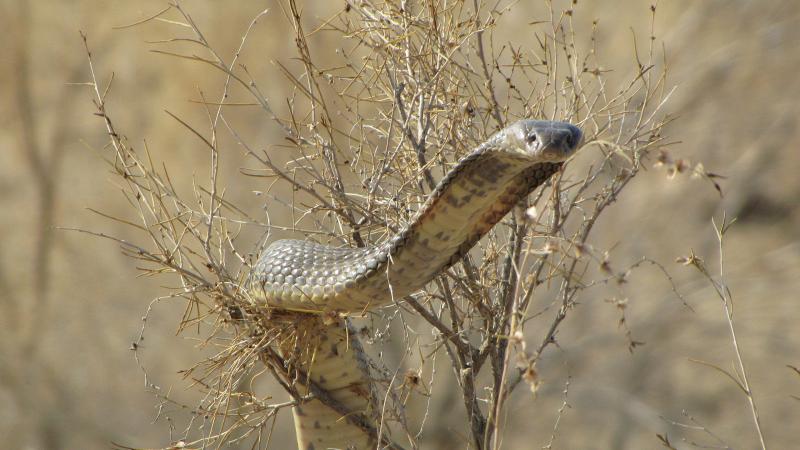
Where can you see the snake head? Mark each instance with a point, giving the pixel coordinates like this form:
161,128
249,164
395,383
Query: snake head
544,140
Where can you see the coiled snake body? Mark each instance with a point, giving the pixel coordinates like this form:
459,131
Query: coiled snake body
469,200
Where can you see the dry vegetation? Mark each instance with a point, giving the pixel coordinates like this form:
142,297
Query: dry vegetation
336,125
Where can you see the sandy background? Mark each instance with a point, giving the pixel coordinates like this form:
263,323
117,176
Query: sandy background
71,305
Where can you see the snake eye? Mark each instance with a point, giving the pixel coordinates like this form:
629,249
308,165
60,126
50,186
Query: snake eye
531,138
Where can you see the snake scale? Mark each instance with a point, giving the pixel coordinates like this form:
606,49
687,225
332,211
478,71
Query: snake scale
305,276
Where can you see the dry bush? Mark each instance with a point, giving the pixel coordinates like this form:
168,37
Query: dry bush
411,89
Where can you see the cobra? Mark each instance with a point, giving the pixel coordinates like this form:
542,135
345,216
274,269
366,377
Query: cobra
305,276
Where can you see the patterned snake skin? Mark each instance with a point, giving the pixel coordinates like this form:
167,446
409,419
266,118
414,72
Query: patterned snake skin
472,198
310,277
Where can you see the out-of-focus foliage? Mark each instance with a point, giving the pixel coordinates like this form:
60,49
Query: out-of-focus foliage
70,306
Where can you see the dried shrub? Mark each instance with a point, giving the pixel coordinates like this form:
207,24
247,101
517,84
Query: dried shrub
412,88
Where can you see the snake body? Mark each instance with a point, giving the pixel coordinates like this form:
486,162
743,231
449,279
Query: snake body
299,275
471,198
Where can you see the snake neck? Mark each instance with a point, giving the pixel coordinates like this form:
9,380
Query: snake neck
471,199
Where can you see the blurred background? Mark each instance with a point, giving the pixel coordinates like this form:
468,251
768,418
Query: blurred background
71,305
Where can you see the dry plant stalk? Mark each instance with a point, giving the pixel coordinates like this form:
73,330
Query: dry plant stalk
417,87
739,377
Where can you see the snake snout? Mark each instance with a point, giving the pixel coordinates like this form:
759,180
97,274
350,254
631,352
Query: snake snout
560,140
546,140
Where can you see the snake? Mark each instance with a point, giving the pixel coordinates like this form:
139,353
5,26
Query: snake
334,282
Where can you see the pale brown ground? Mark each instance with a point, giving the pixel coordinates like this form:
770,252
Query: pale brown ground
69,380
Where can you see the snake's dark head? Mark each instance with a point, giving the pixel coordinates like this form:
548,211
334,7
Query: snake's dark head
543,140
